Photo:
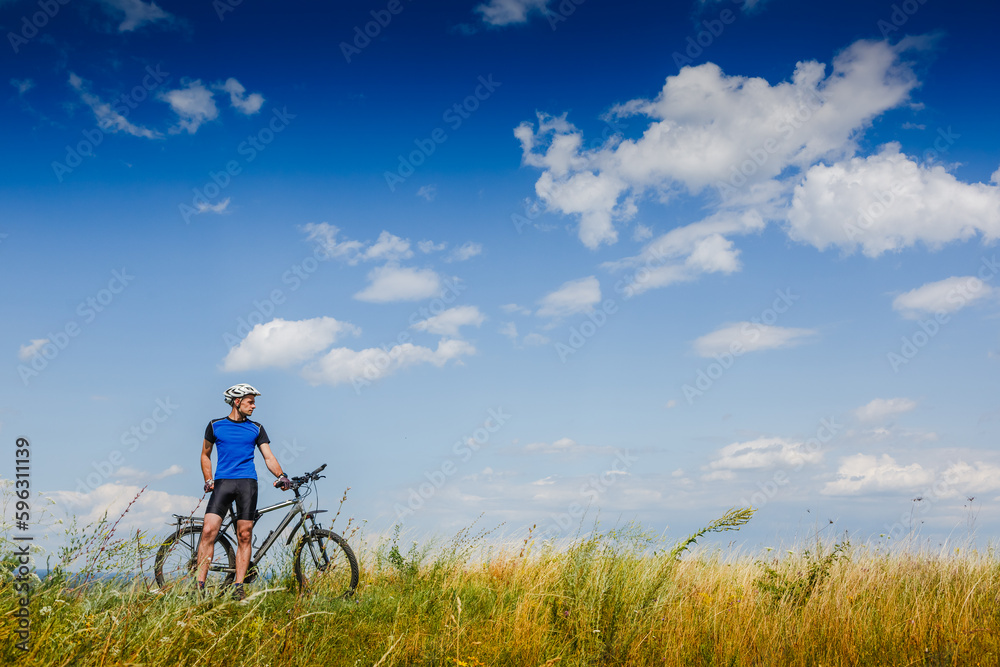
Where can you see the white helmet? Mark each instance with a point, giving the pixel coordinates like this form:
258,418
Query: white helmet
239,391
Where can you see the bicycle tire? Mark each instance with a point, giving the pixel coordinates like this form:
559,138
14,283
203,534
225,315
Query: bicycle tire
176,561
329,566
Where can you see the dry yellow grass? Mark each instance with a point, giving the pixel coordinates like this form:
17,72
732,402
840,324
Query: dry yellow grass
616,598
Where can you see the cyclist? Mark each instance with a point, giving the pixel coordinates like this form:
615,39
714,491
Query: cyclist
235,478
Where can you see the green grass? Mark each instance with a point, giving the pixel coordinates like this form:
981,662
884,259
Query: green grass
619,597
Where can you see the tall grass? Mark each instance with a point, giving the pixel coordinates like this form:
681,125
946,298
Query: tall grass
614,597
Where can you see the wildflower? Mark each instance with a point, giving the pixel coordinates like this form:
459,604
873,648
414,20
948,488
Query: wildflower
45,611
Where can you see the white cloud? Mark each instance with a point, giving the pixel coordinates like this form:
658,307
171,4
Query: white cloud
108,119
169,472
763,453
705,126
886,202
245,104
884,408
394,283
467,250
642,233
152,508
22,85
684,253
506,12
568,446
428,247
428,192
944,296
447,323
514,308
325,235
205,207
865,473
559,446
963,479
573,296
136,13
282,343
744,337
193,104
509,329
31,349
535,339
342,365
134,475
388,248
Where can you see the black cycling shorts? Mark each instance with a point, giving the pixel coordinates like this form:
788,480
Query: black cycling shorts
243,491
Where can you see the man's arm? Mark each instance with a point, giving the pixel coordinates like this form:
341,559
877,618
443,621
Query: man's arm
269,460
206,459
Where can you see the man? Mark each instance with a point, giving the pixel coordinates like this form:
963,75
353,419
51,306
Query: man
235,478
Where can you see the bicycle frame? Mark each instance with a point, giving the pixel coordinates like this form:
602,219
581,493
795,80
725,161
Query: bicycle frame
273,536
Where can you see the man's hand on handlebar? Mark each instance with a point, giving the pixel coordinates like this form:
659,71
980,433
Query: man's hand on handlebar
283,482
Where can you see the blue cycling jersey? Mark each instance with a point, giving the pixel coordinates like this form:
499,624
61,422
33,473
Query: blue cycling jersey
235,442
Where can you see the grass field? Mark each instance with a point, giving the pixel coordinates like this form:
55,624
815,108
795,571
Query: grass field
618,597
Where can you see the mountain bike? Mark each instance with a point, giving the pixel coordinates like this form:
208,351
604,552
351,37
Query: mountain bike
322,560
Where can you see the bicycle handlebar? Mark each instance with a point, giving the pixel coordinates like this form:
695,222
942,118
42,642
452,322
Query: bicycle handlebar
308,477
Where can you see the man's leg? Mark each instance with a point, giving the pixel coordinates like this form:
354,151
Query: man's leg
244,536
206,548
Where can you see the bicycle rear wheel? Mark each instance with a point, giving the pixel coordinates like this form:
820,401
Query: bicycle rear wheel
324,563
177,561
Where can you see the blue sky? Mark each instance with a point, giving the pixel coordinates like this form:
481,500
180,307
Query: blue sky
518,258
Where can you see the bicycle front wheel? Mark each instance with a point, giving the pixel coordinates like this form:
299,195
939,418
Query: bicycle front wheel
324,563
177,561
